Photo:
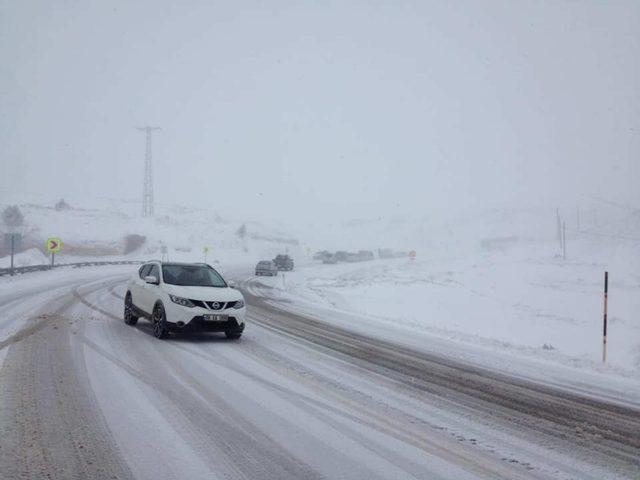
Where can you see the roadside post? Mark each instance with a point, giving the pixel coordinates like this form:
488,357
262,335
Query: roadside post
604,324
54,245
12,240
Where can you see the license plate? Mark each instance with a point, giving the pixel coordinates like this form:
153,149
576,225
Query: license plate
215,318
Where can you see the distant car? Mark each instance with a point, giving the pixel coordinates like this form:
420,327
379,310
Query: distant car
321,255
179,297
330,259
283,262
266,267
341,256
352,257
365,255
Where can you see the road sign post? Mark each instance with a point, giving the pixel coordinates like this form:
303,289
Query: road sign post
13,247
54,245
12,240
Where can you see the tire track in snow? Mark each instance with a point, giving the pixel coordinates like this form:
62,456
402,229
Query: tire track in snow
52,427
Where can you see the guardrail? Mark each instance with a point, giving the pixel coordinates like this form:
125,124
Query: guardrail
40,268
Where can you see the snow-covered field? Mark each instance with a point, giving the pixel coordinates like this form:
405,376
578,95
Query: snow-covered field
99,229
524,301
32,256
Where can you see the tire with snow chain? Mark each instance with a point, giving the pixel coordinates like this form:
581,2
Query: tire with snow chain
159,321
129,317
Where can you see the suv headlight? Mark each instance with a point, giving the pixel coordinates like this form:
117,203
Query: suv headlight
185,302
239,304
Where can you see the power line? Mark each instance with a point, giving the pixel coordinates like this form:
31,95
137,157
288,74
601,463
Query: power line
147,191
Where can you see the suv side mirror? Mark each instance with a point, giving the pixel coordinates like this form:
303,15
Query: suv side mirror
151,279
232,284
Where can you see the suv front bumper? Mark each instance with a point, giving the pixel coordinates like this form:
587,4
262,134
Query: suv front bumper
181,318
199,324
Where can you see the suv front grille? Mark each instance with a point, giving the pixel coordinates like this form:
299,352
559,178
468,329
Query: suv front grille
216,306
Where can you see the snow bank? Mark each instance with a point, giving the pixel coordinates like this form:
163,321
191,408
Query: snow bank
33,256
175,233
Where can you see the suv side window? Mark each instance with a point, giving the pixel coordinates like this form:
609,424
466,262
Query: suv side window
154,272
144,270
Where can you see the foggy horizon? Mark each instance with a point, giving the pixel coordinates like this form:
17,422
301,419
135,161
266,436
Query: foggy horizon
332,111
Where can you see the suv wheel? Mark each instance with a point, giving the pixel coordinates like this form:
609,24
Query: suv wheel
129,317
231,335
159,320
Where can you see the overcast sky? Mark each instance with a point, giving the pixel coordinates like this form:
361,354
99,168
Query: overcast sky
322,109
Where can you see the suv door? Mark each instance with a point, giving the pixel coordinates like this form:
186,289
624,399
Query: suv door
149,292
137,284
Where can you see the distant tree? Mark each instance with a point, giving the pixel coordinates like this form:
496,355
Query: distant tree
133,242
12,216
242,231
62,205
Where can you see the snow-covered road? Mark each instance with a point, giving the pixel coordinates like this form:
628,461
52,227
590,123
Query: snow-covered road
84,396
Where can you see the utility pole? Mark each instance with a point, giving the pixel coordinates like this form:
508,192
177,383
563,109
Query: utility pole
558,227
147,192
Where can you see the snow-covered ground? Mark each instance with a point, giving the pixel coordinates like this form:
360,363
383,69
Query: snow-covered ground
493,279
44,288
98,229
32,256
524,301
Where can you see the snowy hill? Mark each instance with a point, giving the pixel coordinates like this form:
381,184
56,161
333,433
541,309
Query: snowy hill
112,228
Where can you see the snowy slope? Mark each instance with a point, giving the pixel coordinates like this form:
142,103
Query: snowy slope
101,230
503,285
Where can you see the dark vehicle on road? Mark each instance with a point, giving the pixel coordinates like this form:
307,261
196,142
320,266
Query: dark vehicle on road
321,255
266,268
283,262
330,259
365,255
341,256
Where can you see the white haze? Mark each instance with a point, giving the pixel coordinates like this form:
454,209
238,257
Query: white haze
323,110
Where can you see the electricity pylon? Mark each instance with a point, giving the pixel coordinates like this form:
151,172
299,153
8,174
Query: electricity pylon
147,192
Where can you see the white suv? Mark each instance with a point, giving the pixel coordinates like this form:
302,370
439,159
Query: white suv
184,297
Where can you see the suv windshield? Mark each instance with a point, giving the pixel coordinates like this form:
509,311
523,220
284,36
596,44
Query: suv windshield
192,276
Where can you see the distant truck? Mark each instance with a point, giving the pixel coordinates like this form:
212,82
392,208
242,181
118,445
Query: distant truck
330,259
322,255
283,262
365,255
